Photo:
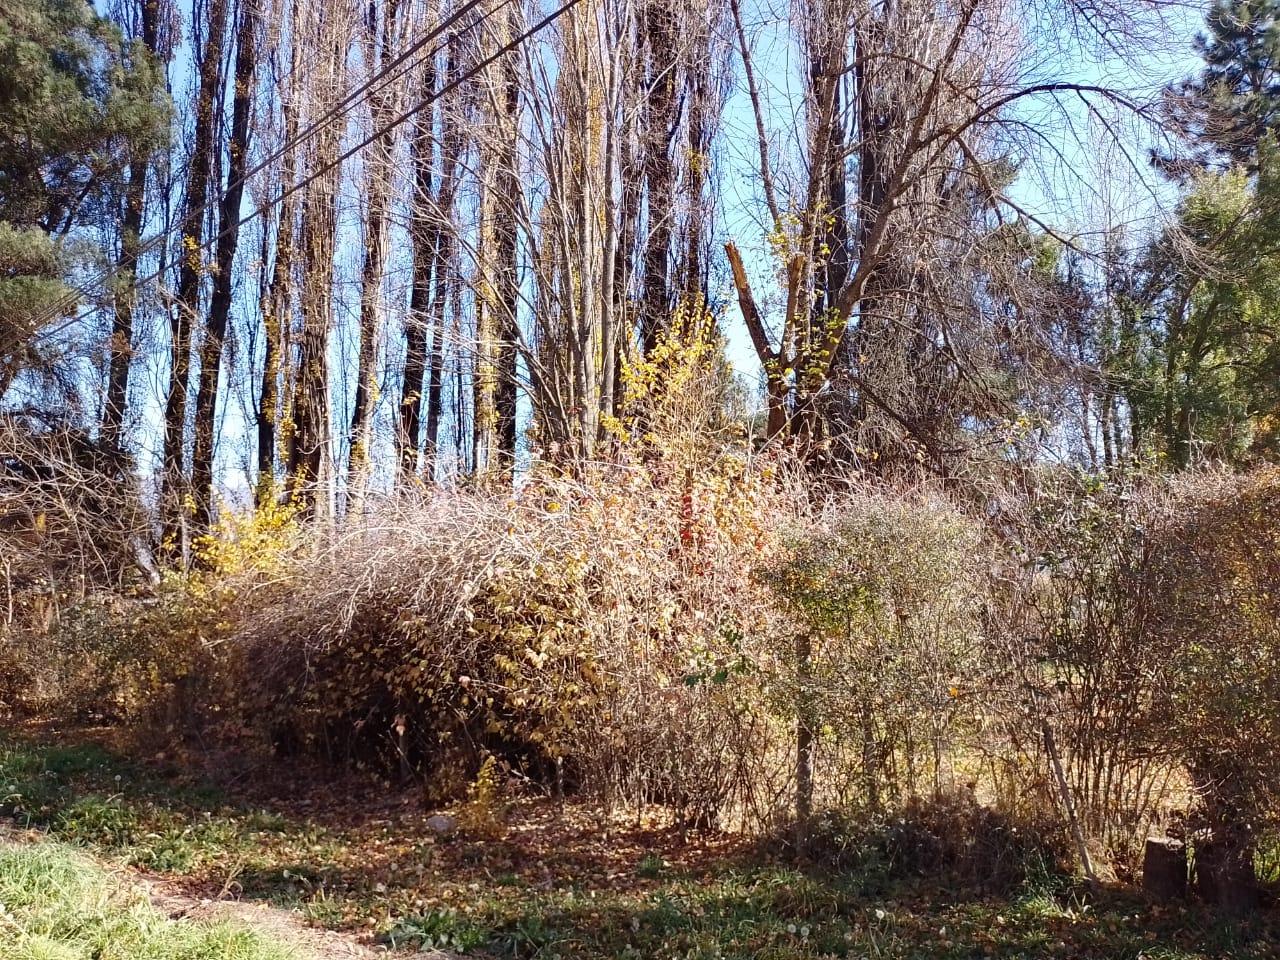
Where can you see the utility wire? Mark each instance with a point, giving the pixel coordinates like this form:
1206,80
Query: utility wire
411,112
340,107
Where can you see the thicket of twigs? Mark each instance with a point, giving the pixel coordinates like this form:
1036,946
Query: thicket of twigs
890,669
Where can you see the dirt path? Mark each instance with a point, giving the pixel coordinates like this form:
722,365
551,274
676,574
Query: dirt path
283,926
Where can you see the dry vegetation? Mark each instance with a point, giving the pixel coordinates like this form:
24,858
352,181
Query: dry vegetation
986,688
376,486
980,694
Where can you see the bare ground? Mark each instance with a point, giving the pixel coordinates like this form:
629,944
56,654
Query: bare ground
275,923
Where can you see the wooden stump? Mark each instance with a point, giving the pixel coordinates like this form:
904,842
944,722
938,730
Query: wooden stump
1225,877
1164,868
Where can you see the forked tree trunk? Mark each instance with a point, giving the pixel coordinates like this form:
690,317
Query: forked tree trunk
202,480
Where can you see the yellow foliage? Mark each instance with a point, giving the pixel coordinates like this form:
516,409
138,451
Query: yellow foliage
483,815
674,399
251,541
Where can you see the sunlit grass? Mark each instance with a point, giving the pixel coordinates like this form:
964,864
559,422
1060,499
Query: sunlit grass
58,904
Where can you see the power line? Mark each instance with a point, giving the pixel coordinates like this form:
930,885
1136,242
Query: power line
109,272
413,111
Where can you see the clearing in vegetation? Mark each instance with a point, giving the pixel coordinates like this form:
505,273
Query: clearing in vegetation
550,880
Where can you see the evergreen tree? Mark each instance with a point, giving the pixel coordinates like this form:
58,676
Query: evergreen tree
1205,376
1235,101
76,102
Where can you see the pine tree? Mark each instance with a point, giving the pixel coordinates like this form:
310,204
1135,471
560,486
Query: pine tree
1235,101
73,95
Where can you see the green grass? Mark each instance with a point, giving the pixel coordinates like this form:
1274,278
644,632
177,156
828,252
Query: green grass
57,904
772,913
556,888
86,796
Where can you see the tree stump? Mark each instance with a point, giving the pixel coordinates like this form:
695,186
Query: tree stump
1164,868
1225,876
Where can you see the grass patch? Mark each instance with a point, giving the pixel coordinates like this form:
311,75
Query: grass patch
56,904
84,795
437,930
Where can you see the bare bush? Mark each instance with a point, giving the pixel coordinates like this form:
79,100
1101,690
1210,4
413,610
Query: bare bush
71,523
1141,649
1076,665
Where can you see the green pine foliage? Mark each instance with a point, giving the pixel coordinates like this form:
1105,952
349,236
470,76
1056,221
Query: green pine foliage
1202,380
1235,101
77,102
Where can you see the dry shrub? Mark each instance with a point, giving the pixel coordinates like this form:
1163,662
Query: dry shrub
155,655
1144,631
1214,616
481,817
884,592
591,633
71,519
72,525
1073,656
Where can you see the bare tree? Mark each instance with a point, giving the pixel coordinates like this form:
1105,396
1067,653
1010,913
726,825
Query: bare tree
276,306
497,295
311,474
133,216
901,250
380,43
191,269
215,330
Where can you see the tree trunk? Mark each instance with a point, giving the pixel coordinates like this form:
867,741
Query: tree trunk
1068,804
276,323
1164,868
378,166
135,204
276,307
121,346
805,724
310,455
659,171
202,480
190,276
1225,874
426,239
451,138
497,299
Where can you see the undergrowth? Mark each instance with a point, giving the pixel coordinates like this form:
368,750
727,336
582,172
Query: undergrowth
568,881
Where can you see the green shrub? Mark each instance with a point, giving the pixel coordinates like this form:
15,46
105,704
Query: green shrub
102,821
951,838
437,930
